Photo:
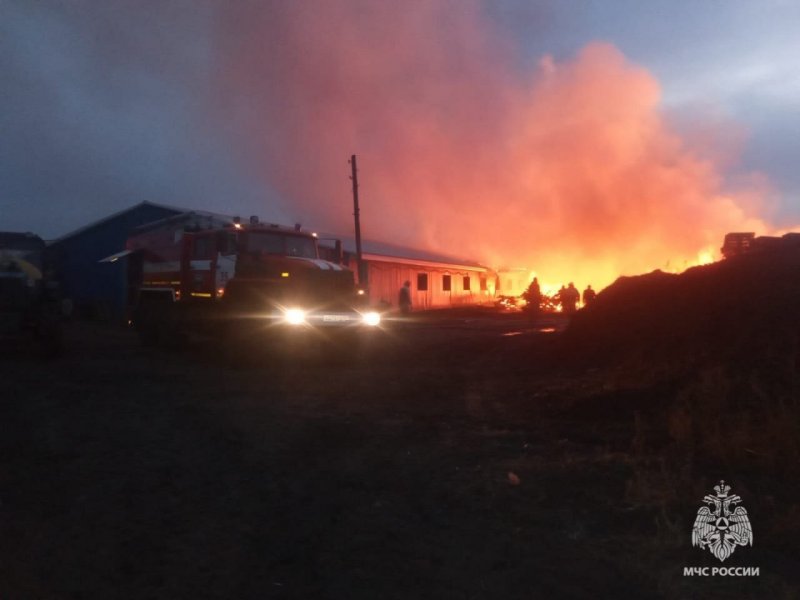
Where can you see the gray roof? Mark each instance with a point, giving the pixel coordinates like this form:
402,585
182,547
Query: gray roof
403,252
382,249
213,219
112,217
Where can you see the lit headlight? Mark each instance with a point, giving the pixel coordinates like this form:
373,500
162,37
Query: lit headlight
371,318
295,316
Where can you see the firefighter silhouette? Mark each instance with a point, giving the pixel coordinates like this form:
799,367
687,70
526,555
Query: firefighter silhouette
588,295
405,298
558,297
569,298
533,296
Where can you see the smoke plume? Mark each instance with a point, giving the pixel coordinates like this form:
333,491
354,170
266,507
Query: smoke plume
568,167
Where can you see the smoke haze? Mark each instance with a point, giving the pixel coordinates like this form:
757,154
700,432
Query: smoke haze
566,164
570,169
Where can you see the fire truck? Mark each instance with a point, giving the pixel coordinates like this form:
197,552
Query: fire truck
208,276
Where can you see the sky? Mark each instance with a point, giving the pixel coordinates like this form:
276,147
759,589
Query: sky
583,139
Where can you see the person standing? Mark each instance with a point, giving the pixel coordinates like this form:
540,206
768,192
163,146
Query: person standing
533,298
588,295
405,298
569,298
560,297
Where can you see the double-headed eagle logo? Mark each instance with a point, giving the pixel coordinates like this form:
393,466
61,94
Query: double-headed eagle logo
720,526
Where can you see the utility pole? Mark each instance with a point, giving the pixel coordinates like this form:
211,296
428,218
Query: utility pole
362,274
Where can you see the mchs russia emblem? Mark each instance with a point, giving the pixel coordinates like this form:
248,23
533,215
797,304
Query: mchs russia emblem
722,524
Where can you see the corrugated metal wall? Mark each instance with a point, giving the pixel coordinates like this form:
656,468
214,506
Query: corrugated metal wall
100,289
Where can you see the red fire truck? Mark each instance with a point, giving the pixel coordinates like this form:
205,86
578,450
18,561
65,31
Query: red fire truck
257,278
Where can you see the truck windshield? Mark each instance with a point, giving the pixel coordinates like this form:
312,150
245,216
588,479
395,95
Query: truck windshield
281,244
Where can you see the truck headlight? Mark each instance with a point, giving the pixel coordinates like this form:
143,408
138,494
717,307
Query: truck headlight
372,319
295,316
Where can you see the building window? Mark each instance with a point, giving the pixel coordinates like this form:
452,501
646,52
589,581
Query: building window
422,282
483,284
466,284
446,284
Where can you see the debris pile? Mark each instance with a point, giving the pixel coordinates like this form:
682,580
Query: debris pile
709,361
740,310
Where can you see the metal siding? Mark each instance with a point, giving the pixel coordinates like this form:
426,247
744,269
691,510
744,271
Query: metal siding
100,286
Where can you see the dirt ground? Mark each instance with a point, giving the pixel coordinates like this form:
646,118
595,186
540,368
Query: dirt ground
455,457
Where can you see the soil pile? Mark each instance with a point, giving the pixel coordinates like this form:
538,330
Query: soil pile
711,358
743,310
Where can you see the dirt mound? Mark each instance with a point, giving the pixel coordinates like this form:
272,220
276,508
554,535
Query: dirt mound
710,357
741,309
